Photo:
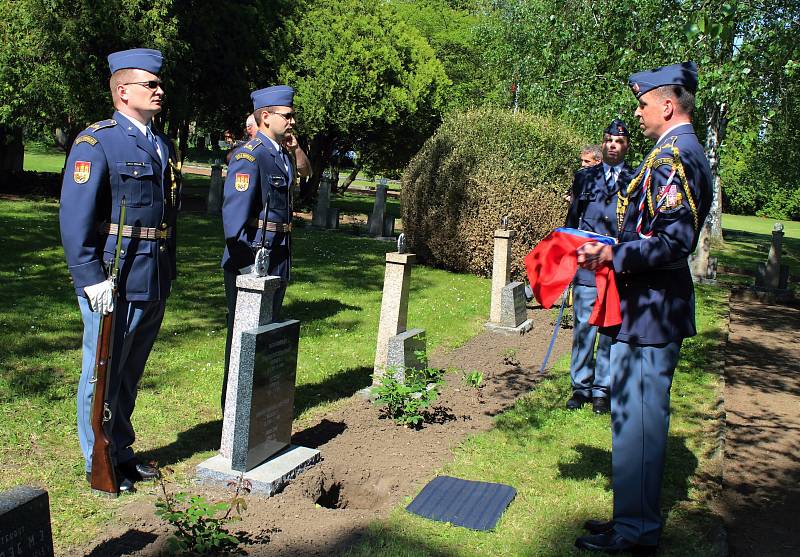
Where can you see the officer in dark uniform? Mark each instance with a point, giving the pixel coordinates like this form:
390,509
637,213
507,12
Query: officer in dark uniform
258,188
660,214
121,157
594,208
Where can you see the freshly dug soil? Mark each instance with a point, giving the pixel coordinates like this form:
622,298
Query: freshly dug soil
369,463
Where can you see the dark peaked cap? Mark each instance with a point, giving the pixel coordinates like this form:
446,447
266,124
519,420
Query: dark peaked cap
683,74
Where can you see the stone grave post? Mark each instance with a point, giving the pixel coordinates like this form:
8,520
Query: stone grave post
773,270
319,218
501,270
377,219
259,401
215,190
25,522
507,311
396,348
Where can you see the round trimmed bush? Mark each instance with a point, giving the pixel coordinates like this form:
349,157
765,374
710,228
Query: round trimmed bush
479,166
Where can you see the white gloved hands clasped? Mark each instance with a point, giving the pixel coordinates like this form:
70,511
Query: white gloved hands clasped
100,296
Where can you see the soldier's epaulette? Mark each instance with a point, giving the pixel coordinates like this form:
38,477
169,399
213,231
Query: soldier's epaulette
669,143
252,144
110,123
86,138
246,156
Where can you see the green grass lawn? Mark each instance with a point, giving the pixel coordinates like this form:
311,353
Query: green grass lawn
335,293
43,158
560,464
356,204
747,243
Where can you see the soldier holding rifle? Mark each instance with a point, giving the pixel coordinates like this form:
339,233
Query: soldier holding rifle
124,157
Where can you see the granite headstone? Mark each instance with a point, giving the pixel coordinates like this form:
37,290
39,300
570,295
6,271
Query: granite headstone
25,523
265,398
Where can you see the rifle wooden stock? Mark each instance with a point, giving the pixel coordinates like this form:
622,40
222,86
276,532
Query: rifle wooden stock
103,476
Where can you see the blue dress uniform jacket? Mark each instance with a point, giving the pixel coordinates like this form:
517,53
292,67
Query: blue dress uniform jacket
256,178
594,207
653,277
109,160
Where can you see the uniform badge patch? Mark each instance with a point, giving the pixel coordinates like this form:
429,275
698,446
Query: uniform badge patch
242,182
245,156
672,198
81,172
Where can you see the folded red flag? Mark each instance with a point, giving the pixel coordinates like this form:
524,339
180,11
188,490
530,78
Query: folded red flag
551,266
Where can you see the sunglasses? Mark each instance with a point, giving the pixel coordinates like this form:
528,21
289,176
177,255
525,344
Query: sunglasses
285,115
153,84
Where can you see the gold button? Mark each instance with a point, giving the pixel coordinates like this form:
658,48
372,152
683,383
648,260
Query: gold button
163,226
163,248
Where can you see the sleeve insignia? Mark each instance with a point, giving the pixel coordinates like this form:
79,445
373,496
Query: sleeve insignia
669,197
110,123
245,156
86,139
82,171
252,144
242,181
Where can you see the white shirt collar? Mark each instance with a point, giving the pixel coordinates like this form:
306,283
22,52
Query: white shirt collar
274,143
666,133
139,126
617,168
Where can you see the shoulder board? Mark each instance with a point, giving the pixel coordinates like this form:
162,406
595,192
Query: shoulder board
110,123
252,144
246,156
669,143
86,139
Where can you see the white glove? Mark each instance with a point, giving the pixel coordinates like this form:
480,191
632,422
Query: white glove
100,297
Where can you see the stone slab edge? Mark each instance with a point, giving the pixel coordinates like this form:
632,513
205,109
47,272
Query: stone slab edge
268,478
520,329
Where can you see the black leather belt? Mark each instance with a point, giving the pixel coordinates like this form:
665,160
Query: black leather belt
140,232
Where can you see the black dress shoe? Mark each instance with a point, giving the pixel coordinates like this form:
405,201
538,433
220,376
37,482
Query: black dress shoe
598,526
576,401
124,484
600,405
137,472
611,542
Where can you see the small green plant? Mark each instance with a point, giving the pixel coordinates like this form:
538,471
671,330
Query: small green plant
406,401
473,379
510,357
200,524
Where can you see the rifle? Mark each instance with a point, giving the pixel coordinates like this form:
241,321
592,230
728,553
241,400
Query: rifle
261,263
104,478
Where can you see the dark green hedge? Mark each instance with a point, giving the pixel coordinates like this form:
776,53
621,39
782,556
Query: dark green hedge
478,166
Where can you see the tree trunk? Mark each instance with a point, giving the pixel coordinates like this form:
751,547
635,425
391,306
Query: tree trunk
350,178
715,135
320,155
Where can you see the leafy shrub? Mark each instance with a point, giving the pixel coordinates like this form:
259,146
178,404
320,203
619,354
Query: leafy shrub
479,166
407,401
200,524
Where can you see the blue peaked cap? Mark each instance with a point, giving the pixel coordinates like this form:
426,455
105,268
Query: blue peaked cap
683,74
277,95
145,59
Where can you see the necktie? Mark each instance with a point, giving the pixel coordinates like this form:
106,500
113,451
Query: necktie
612,178
152,139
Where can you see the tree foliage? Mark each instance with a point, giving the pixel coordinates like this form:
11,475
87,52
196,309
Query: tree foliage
480,166
361,74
